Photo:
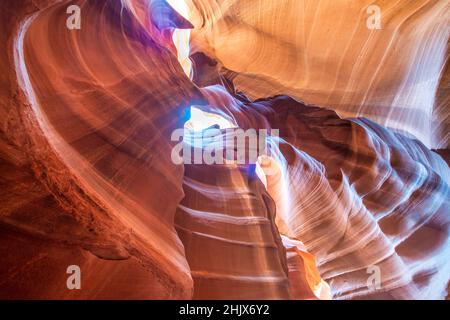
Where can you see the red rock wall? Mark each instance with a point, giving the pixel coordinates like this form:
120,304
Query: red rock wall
87,179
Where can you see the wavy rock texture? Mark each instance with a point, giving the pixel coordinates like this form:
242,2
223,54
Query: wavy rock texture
85,151
94,108
323,53
383,202
226,223
356,195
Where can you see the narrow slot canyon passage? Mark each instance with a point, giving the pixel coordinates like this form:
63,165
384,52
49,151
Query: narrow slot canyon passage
227,219
227,224
224,149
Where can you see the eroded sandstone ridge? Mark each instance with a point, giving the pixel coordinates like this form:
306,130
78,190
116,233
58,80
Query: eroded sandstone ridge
333,59
87,179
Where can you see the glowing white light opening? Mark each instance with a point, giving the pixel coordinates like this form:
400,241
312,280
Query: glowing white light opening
201,120
181,37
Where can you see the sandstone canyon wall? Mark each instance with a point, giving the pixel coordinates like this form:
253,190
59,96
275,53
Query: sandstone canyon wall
332,59
87,178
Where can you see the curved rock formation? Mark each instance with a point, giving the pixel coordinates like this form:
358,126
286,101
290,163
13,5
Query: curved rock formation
93,124
331,58
87,176
226,223
380,203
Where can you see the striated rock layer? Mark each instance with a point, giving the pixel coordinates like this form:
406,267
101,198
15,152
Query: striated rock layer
324,53
356,195
226,223
361,197
87,179
91,110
